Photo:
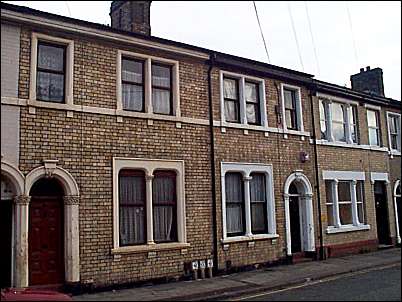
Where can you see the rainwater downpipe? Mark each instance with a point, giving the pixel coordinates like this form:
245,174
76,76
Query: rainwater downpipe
317,177
212,160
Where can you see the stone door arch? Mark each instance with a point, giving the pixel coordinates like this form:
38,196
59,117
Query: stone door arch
305,193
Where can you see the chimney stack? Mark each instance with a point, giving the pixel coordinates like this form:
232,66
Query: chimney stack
131,16
368,81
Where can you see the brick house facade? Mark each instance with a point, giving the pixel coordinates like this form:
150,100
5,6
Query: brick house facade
90,140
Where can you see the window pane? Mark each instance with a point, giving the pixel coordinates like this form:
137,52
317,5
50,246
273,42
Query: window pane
345,213
132,207
50,87
338,131
234,203
160,76
258,218
234,187
360,212
257,187
344,191
230,89
337,112
164,189
289,98
250,92
360,191
231,111
330,214
328,191
234,219
352,121
133,98
373,137
258,203
394,141
132,71
51,57
164,206
290,121
252,113
323,127
372,118
161,101
353,132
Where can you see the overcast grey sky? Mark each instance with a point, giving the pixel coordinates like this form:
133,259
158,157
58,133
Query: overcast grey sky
232,27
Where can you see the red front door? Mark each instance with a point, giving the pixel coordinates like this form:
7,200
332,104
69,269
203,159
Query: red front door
46,241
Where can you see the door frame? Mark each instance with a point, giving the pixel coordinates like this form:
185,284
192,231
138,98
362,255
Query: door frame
305,210
396,196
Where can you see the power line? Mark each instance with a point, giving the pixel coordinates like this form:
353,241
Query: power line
295,35
312,38
353,37
262,34
68,8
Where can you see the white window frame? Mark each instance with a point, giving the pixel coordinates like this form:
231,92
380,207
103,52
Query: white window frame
246,169
299,108
327,102
377,110
149,166
148,61
398,150
243,116
352,177
69,71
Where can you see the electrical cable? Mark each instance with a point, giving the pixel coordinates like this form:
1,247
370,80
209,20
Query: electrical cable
295,35
353,37
312,39
262,34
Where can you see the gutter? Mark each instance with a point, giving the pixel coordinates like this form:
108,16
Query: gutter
312,91
213,170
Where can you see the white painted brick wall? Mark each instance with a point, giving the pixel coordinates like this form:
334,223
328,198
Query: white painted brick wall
10,133
10,52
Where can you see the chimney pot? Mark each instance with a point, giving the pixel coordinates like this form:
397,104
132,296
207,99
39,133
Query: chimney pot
367,68
361,69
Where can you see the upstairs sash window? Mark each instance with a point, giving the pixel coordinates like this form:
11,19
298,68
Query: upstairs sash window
133,84
162,89
51,72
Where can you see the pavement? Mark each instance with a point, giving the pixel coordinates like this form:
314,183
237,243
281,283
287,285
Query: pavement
251,282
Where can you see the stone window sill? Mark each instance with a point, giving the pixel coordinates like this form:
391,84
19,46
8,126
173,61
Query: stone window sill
354,145
149,248
249,238
347,228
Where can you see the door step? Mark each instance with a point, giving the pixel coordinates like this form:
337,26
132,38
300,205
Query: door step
385,246
301,257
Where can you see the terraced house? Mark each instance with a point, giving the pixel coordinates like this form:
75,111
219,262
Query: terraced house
129,158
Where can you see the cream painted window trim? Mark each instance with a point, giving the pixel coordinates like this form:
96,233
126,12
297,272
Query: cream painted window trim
222,124
394,151
148,61
103,111
69,65
332,98
246,169
243,117
372,107
379,176
379,138
299,108
343,175
352,146
149,166
348,228
149,248
97,33
249,238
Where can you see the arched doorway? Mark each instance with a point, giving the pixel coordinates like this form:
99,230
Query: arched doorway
8,193
299,215
46,233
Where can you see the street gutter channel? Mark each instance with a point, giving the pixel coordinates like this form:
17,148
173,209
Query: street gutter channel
232,292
